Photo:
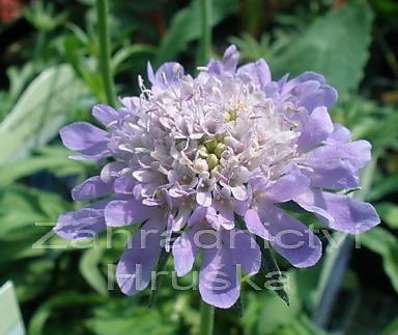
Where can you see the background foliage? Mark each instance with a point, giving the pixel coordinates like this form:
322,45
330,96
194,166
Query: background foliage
49,77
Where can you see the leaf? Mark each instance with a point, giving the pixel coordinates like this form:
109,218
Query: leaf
21,206
271,267
391,329
133,52
335,45
26,216
186,26
385,186
54,159
385,244
39,112
31,278
161,264
389,213
270,271
88,267
124,316
266,312
62,300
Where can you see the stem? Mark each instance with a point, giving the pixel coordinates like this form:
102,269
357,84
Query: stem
104,51
337,259
205,43
206,319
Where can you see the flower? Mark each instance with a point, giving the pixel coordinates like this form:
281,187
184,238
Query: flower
189,155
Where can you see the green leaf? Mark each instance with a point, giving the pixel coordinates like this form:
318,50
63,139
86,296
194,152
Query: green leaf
68,300
22,206
130,52
270,268
265,313
391,329
89,269
335,45
389,213
124,316
53,159
385,186
31,277
39,112
186,26
385,244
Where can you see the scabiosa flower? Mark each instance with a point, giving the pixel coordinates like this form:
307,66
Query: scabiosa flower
190,155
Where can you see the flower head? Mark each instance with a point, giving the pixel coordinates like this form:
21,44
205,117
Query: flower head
189,155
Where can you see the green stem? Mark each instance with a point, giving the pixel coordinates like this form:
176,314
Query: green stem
206,319
205,43
104,51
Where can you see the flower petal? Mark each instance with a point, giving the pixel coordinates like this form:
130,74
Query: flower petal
203,198
184,251
288,186
133,272
230,59
80,136
91,188
85,138
218,284
316,128
340,134
124,185
105,114
83,223
325,95
340,212
111,170
168,74
244,250
255,226
258,72
335,165
290,238
124,212
222,219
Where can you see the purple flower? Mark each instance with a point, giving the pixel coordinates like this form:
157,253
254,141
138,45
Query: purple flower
189,155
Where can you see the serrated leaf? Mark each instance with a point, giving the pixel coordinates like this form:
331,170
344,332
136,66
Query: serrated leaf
335,45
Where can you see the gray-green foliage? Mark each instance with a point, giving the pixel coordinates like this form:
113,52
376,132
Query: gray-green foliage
337,45
39,113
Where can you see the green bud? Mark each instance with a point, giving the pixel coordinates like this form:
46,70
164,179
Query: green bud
211,145
212,161
203,151
221,147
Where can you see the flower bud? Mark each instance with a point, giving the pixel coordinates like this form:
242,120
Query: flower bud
212,161
220,148
200,165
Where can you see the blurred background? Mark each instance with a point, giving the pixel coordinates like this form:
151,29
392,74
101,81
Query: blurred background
49,76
